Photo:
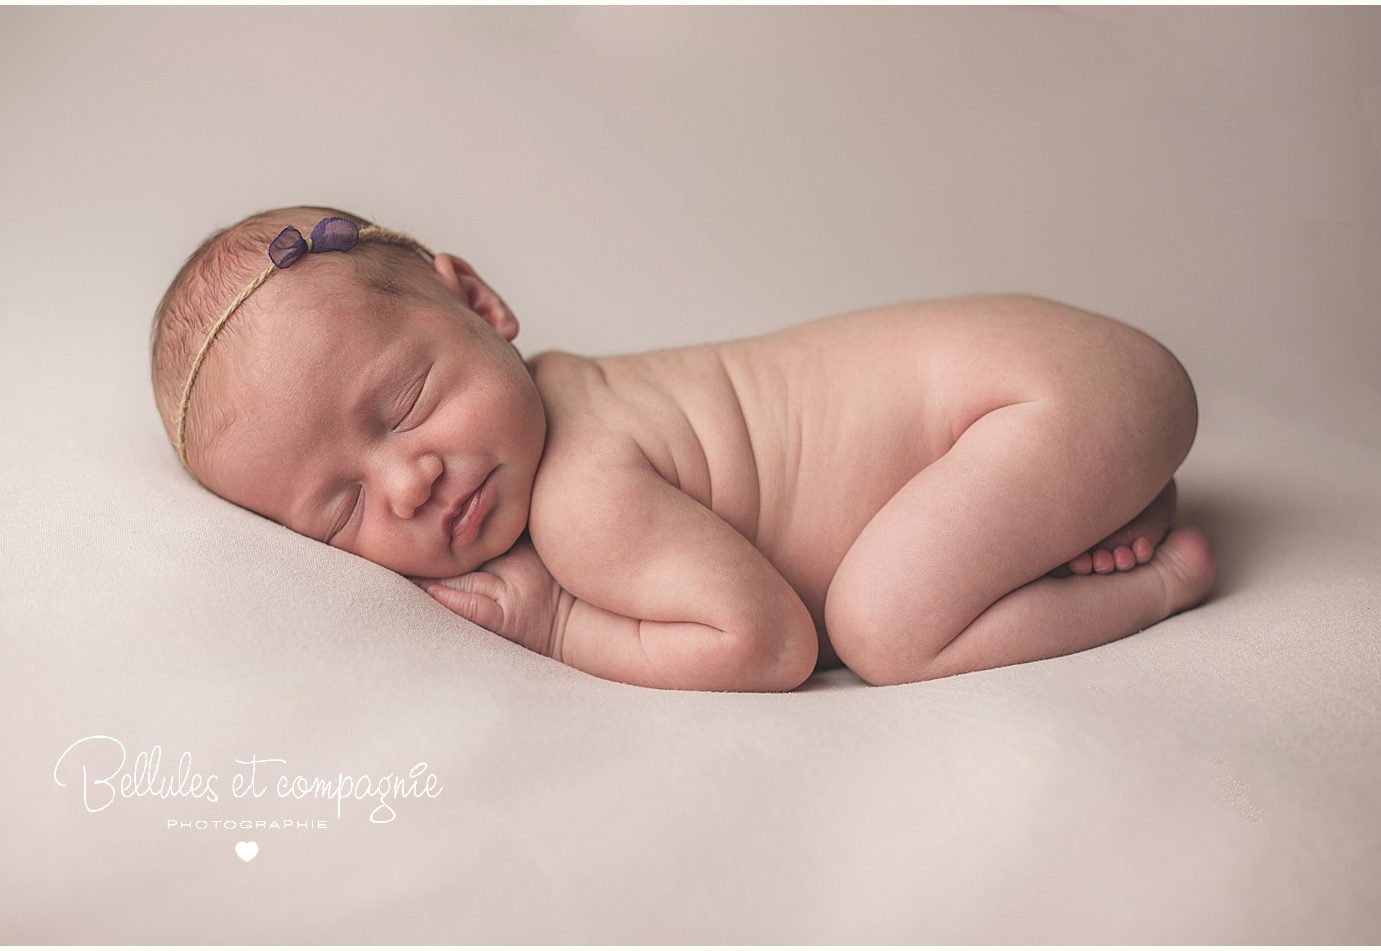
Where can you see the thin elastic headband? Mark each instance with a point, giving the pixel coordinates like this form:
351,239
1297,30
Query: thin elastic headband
330,234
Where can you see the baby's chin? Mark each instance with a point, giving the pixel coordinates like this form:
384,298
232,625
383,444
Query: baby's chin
500,545
481,551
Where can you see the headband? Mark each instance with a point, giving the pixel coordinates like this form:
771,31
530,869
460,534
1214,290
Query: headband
330,234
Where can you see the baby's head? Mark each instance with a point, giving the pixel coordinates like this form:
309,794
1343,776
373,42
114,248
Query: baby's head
357,398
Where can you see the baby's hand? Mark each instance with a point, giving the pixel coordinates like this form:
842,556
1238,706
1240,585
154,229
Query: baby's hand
512,595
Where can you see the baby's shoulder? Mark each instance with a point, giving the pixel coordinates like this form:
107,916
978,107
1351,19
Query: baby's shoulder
566,381
598,407
593,448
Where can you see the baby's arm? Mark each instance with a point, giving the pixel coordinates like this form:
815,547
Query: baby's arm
660,590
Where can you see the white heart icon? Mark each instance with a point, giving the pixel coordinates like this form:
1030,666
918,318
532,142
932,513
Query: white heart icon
246,850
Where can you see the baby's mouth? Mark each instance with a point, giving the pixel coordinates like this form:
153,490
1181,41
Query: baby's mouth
460,511
466,512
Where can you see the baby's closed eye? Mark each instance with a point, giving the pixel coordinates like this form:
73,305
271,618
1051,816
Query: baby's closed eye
412,399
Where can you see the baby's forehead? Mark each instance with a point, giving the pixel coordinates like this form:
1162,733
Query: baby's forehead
325,347
331,302
325,319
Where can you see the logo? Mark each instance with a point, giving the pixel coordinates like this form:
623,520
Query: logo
99,770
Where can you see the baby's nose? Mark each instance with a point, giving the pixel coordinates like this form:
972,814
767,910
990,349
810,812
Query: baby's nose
413,486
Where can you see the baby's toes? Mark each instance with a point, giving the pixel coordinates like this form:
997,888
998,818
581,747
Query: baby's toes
1123,558
1143,550
1103,562
1081,564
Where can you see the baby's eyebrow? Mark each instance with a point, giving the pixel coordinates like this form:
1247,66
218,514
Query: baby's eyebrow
380,375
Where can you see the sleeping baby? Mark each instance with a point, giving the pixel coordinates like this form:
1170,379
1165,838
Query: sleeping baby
912,491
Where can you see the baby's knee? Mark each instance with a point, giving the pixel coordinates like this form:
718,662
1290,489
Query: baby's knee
873,641
1167,393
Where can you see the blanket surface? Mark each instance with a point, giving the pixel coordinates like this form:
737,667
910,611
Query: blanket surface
633,178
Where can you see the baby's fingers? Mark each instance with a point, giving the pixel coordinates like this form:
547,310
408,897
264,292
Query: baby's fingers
470,605
480,582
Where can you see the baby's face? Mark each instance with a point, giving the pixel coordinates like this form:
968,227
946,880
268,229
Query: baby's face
368,429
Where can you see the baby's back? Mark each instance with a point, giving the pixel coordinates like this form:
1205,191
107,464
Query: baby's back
797,438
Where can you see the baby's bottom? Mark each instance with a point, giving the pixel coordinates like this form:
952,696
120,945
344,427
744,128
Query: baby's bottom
972,564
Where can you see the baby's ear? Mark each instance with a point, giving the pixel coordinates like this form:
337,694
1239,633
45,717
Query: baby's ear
475,294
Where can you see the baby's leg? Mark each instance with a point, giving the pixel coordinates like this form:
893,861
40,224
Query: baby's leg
948,576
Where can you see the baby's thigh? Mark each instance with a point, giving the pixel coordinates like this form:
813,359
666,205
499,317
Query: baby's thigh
1026,487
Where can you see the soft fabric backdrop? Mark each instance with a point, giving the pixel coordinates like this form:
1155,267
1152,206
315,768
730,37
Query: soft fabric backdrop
631,178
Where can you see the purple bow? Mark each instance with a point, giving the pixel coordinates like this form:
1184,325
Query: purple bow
330,234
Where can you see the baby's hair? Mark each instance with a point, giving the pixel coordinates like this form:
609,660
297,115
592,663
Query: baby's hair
212,277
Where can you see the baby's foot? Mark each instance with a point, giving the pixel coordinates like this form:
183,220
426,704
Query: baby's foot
1131,545
1187,567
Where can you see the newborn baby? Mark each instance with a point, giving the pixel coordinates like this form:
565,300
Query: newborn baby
913,491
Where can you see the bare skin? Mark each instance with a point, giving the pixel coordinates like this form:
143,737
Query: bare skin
884,567
897,490
515,595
